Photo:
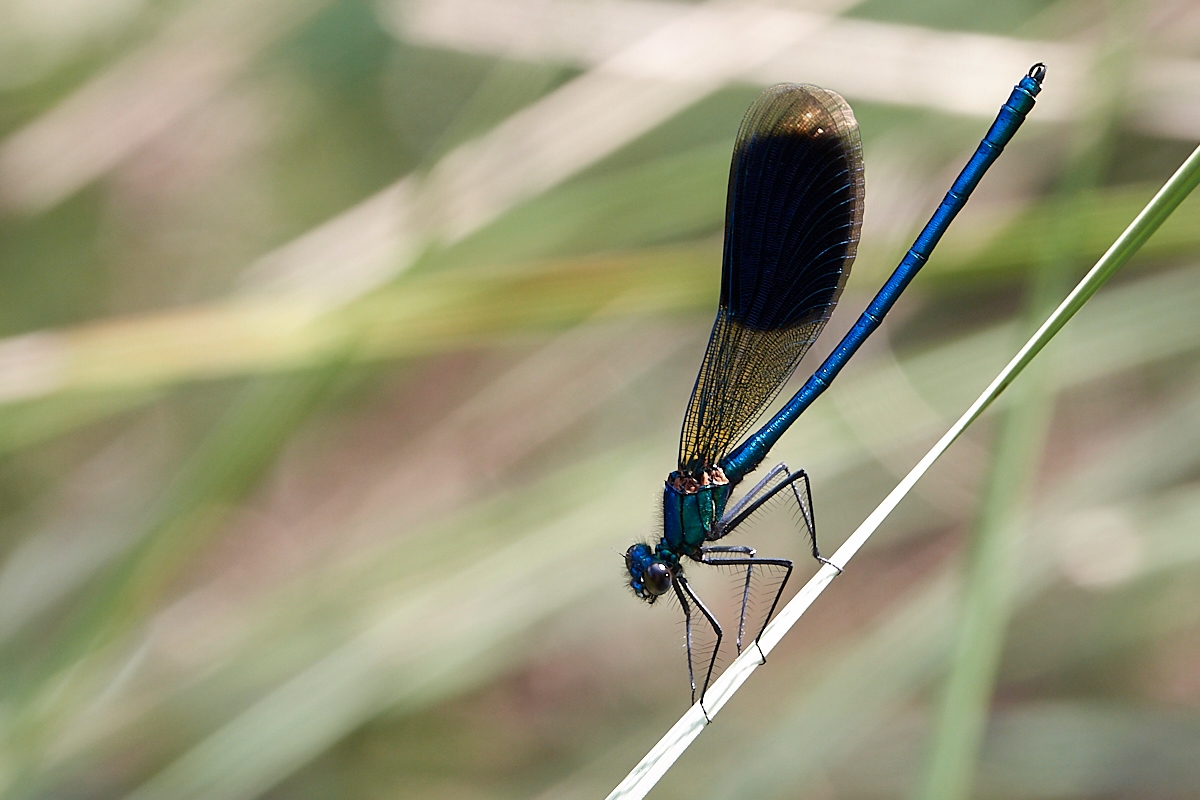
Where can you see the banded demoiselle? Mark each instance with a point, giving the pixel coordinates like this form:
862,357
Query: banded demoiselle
793,216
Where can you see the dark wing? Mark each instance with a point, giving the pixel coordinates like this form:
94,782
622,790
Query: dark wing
792,222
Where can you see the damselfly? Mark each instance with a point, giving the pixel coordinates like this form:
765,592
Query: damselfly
793,216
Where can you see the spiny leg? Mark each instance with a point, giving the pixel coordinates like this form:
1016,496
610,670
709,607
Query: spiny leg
683,587
747,551
749,563
687,634
791,482
758,496
749,496
806,511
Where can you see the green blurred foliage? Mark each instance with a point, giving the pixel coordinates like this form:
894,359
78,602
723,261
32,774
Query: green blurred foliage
359,542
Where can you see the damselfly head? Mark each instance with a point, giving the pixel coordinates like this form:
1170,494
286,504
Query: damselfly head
649,576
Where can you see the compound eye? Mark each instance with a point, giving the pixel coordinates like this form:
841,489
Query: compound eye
657,579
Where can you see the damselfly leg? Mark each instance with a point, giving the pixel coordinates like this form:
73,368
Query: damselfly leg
765,491
736,509
779,479
751,562
687,597
747,552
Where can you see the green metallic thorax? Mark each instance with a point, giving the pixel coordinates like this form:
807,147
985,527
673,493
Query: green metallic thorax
691,512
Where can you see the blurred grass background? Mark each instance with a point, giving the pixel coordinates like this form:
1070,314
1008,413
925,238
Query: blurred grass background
344,342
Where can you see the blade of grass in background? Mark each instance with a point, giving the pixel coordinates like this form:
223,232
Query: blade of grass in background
258,654
883,670
524,410
439,313
991,572
230,461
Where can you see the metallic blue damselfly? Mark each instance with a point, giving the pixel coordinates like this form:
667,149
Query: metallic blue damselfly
793,216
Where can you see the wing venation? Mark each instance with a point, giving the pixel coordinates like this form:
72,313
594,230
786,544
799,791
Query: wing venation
792,222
